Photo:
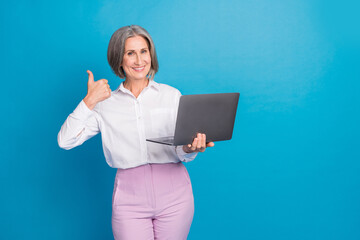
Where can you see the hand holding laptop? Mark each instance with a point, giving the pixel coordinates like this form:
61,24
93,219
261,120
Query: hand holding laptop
198,145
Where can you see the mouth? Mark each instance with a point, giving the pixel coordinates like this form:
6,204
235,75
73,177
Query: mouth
138,69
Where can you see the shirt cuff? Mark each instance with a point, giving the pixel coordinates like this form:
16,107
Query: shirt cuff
82,112
185,157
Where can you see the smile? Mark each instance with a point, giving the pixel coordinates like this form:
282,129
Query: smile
138,69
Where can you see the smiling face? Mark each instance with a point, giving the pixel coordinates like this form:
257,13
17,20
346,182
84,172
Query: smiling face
137,60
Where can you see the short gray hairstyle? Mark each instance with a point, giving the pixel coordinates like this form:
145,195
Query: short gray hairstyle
116,49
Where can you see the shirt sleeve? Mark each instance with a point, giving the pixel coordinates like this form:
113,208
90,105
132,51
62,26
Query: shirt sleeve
183,156
79,126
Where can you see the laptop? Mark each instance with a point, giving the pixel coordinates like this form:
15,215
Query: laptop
212,114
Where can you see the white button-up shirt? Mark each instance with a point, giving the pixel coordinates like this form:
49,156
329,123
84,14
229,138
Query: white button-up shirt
125,122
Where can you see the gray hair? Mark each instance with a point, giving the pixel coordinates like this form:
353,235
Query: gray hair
116,49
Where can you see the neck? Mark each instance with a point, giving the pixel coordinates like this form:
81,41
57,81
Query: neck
136,86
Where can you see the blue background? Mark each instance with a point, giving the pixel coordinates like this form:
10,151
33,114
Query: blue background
292,169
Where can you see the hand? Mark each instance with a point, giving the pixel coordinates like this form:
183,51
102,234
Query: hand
199,144
97,91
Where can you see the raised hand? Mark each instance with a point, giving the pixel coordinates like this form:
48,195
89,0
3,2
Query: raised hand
97,91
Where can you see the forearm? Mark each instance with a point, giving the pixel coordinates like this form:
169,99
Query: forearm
77,128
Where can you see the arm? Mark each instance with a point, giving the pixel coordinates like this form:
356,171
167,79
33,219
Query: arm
83,123
79,126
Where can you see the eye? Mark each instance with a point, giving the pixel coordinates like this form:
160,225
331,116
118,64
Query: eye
144,51
130,53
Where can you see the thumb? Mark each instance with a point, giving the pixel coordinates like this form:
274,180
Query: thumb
91,77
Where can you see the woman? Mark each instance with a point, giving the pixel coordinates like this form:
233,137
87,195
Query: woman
152,196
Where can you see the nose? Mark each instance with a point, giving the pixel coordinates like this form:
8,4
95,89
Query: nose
138,59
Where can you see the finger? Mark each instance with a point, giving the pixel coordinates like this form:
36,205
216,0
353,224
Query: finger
106,90
106,87
199,136
91,77
203,144
194,144
210,144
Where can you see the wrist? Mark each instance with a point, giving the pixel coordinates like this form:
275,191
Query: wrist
89,102
186,149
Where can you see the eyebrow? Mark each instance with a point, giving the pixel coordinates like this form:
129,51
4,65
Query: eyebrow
132,50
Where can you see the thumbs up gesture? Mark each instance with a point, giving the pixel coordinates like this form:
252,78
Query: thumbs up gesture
97,91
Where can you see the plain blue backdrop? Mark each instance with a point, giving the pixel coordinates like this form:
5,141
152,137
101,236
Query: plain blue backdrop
292,169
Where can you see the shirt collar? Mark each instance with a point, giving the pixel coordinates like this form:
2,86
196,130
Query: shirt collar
152,84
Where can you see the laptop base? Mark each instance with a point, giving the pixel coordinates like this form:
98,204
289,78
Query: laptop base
163,140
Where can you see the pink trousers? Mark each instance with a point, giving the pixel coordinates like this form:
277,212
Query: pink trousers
152,201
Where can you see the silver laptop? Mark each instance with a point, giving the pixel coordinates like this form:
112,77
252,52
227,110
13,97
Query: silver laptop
212,114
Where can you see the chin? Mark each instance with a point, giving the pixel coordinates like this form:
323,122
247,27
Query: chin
138,78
